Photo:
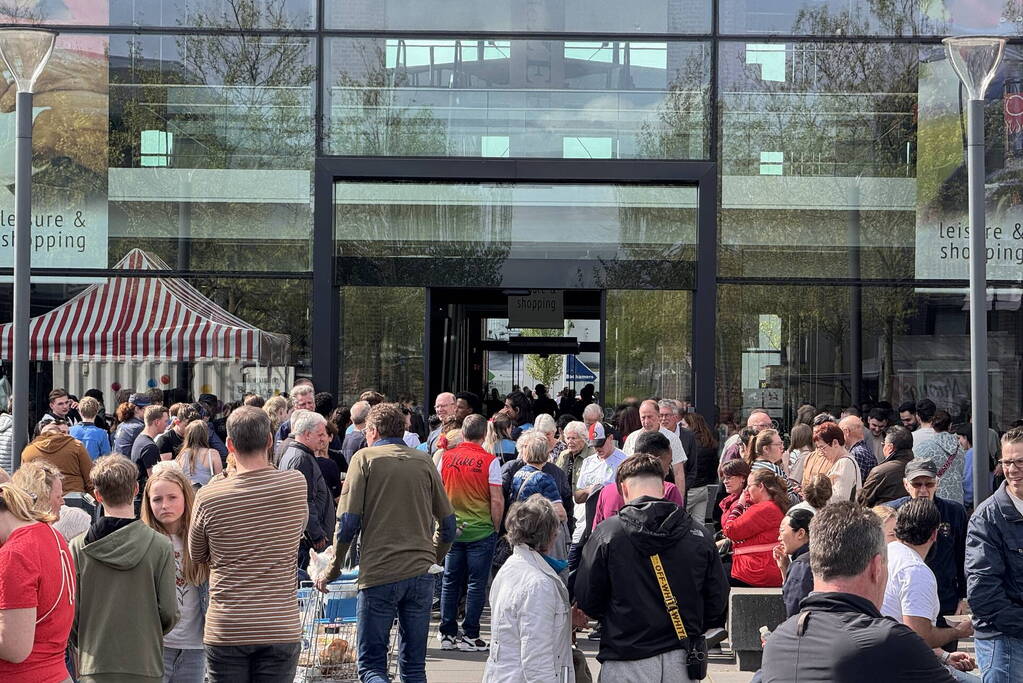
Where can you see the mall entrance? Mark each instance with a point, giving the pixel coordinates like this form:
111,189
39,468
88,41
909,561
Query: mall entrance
482,340
425,267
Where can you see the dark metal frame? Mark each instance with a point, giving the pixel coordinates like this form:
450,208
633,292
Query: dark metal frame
701,174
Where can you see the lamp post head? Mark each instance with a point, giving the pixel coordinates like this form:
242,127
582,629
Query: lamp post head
25,51
975,60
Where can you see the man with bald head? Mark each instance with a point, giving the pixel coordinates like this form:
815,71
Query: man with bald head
444,406
355,440
758,421
650,421
858,448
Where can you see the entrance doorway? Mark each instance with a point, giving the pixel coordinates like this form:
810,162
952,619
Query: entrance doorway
474,345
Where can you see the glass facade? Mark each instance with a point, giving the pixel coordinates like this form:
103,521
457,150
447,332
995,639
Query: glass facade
189,131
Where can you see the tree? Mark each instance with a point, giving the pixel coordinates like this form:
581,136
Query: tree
544,368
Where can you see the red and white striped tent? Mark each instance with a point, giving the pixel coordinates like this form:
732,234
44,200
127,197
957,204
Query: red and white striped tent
153,318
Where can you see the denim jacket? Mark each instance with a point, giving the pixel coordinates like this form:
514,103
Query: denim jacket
994,567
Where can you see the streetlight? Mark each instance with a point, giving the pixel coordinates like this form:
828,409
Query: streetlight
24,52
975,60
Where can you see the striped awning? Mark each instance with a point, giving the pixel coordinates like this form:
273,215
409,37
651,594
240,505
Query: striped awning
146,319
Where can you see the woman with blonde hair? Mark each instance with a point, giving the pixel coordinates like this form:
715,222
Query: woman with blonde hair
37,591
197,460
167,508
44,482
276,407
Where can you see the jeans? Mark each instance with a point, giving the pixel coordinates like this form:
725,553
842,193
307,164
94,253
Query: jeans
409,600
183,666
1000,659
466,562
252,663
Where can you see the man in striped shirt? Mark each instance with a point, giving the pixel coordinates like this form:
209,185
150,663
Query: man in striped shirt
247,527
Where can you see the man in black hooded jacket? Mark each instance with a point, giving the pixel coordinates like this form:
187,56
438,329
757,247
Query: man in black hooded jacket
646,621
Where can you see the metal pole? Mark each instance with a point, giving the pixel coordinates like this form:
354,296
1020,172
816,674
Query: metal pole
978,300
22,272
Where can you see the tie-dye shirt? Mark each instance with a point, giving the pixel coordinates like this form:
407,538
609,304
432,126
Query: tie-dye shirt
468,472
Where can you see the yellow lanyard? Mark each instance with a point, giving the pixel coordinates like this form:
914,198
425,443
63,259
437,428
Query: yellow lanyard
669,598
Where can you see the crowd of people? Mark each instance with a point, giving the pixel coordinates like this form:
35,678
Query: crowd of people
167,541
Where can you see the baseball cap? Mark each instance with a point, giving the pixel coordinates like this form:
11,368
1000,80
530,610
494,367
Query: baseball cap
921,467
140,400
208,398
600,431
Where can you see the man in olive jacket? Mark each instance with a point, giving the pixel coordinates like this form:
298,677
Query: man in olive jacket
127,599
884,484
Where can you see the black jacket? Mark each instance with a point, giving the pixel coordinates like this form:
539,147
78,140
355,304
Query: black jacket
798,580
616,584
322,514
842,638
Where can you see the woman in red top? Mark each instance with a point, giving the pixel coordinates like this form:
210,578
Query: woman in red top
752,525
37,592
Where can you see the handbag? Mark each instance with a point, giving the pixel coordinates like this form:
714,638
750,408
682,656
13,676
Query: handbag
696,647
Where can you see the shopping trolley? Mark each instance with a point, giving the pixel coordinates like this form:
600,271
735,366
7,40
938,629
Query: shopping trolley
329,644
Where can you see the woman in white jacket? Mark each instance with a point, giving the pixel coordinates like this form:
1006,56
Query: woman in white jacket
531,625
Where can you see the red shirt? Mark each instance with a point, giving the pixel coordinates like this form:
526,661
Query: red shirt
756,526
31,576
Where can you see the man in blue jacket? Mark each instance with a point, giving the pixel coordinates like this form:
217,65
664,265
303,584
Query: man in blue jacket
994,570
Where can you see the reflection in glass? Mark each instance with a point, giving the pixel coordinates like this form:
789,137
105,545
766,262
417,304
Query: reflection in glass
782,345
818,159
211,148
382,341
488,233
445,97
648,345
227,14
870,17
608,16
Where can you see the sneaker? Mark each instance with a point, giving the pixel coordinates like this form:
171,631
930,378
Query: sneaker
447,642
715,636
467,644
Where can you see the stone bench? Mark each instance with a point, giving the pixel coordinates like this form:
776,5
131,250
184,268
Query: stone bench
748,610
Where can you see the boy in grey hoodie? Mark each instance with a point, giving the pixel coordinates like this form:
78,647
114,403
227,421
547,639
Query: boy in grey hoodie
127,599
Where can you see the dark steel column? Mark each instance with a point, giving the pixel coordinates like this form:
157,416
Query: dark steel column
705,297
325,307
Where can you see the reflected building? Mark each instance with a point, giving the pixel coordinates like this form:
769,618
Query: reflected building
756,209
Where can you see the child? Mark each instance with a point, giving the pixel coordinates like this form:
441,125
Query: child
96,440
167,508
126,596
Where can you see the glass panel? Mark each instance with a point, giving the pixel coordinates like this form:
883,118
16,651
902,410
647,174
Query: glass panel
596,16
382,340
69,178
862,166
211,147
215,14
648,345
782,345
503,234
424,96
217,335
842,17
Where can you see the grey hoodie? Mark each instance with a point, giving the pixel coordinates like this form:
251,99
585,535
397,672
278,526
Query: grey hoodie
6,441
126,600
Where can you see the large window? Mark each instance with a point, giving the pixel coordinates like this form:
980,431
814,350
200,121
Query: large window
519,98
518,235
211,149
782,345
544,16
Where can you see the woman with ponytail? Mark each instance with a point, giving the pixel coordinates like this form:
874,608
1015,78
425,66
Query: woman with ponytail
37,592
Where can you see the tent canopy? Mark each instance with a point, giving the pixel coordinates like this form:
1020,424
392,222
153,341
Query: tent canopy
157,318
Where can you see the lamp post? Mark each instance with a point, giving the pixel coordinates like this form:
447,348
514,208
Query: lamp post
975,60
24,52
